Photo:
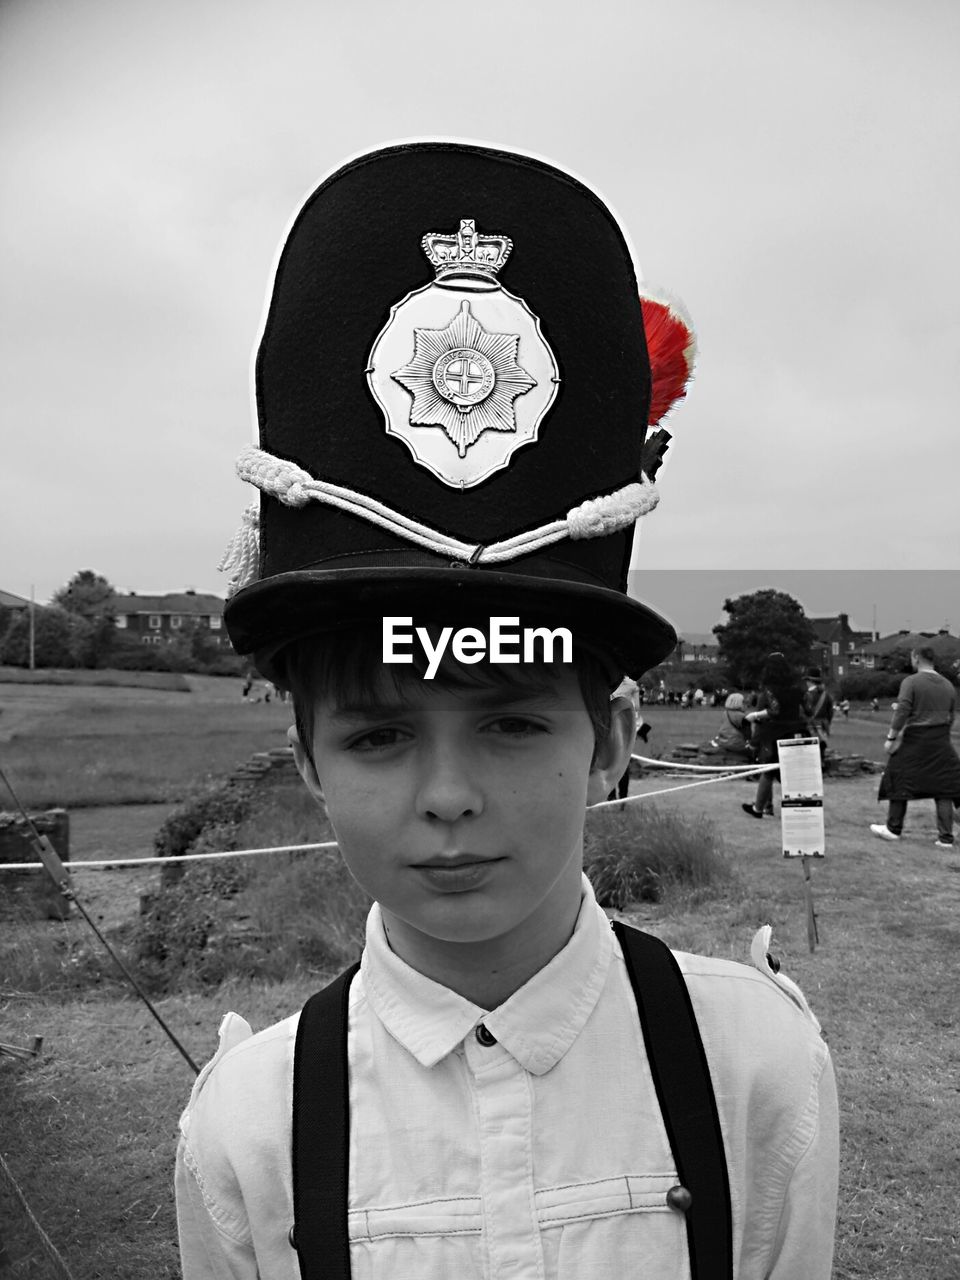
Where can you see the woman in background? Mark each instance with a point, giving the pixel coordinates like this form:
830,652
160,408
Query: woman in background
780,714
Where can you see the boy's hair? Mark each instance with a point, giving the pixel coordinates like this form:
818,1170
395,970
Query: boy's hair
926,652
347,666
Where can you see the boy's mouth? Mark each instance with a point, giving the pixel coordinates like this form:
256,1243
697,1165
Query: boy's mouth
456,872
450,861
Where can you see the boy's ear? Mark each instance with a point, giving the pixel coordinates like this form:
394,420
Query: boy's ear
305,766
613,753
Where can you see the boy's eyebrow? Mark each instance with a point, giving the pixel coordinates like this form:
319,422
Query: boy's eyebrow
494,696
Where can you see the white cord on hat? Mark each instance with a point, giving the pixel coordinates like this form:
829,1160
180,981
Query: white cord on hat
295,487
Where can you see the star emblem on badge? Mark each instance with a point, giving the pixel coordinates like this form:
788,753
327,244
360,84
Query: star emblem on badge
464,379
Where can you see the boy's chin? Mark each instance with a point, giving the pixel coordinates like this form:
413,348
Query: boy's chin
468,919
491,911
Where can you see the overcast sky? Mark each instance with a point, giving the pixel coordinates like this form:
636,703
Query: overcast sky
789,169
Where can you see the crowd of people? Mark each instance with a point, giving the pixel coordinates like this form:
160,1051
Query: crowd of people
921,760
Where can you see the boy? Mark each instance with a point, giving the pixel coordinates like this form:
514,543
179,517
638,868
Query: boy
451,473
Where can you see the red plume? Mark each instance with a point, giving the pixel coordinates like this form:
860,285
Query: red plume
672,346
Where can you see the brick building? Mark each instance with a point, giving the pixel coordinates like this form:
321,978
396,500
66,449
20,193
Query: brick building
837,647
160,619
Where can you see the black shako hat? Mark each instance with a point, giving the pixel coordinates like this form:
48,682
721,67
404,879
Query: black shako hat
453,390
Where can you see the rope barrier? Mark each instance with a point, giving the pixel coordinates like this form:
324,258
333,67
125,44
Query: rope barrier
48,1246
736,769
102,863
684,786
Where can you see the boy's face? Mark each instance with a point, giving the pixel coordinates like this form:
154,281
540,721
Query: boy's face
461,810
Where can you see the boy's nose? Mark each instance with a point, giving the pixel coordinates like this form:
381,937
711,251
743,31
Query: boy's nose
448,789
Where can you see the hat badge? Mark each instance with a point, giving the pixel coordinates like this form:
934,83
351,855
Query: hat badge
461,370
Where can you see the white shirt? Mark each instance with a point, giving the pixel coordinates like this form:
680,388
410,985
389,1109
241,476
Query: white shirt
540,1157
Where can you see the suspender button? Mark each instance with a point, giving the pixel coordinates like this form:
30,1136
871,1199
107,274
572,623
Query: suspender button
679,1198
292,1236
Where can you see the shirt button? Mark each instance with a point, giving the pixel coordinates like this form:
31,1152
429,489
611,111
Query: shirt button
679,1198
292,1236
485,1037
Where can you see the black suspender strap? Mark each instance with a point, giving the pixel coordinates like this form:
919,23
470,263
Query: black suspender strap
321,1134
681,1078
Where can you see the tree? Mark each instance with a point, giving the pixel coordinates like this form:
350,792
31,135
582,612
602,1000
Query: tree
90,596
761,623
60,639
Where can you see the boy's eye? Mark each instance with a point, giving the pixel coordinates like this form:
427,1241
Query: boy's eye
376,740
516,726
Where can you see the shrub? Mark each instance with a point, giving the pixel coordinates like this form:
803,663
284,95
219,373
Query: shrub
225,663
312,912
639,854
173,937
267,918
193,651
128,654
861,686
306,907
217,805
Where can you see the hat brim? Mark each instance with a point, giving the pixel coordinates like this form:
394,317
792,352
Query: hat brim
266,616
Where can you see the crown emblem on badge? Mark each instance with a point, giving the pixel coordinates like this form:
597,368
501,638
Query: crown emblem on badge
465,252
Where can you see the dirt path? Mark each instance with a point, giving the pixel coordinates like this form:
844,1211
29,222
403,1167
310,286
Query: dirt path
123,831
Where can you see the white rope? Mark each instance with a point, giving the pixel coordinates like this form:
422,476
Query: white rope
684,786
295,487
170,859
743,769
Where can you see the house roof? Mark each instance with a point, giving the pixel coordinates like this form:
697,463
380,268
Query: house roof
942,643
698,638
830,628
9,601
187,602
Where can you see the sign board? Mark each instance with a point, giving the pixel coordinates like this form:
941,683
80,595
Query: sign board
801,810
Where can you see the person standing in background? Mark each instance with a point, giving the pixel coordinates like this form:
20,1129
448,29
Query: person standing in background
780,714
819,704
922,763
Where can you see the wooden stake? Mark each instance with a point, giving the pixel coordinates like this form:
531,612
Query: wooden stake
813,936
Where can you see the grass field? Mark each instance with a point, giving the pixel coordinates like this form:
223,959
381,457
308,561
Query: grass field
89,1129
76,745
95,678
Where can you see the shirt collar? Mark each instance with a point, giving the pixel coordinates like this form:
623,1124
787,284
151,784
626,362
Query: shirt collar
537,1025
